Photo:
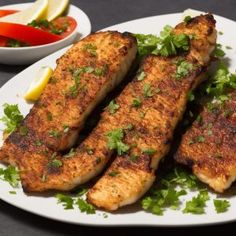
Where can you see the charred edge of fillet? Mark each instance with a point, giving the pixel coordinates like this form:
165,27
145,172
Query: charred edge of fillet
209,18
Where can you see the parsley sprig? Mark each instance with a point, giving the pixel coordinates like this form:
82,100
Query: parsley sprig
166,44
68,202
11,175
115,141
12,117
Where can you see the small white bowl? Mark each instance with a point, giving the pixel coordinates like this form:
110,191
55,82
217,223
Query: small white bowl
28,55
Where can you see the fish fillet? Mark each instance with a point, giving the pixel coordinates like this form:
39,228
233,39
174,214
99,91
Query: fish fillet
82,78
154,121
209,146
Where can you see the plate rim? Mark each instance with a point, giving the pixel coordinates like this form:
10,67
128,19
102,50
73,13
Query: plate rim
104,223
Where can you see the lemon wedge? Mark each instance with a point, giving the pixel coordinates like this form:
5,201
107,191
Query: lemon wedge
56,8
36,11
38,84
192,13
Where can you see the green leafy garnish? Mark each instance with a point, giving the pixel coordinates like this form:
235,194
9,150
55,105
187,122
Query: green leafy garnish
218,52
187,19
166,45
136,102
11,175
115,141
85,207
197,204
67,201
149,151
113,107
141,76
147,91
183,69
221,205
220,82
161,199
12,117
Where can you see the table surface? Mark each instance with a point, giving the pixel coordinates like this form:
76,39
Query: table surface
103,13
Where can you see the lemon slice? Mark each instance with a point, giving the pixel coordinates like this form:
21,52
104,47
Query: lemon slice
36,11
191,12
56,8
38,84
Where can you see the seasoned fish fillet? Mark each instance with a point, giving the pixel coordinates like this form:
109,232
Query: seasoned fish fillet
163,97
82,78
209,146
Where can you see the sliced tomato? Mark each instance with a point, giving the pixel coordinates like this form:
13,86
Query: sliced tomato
27,34
4,12
62,26
3,41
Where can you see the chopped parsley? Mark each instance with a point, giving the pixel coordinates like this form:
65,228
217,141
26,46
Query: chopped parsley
197,204
84,206
218,52
187,19
221,205
149,151
55,163
147,91
113,107
54,134
183,69
23,130
115,141
220,82
113,173
12,117
136,102
67,201
90,48
141,76
10,175
162,198
166,44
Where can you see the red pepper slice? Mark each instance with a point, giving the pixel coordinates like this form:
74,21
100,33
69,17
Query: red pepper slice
4,12
27,34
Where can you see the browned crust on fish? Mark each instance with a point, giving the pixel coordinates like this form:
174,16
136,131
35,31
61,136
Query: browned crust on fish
212,157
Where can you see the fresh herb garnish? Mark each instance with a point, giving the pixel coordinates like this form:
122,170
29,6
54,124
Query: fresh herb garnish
11,175
141,76
166,45
136,102
115,141
113,107
221,205
67,201
218,52
12,117
85,207
149,151
147,91
187,19
183,69
54,134
197,204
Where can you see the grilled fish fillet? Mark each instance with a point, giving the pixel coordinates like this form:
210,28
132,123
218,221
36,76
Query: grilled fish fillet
163,97
82,78
209,146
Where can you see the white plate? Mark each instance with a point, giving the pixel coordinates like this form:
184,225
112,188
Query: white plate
12,92
27,55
